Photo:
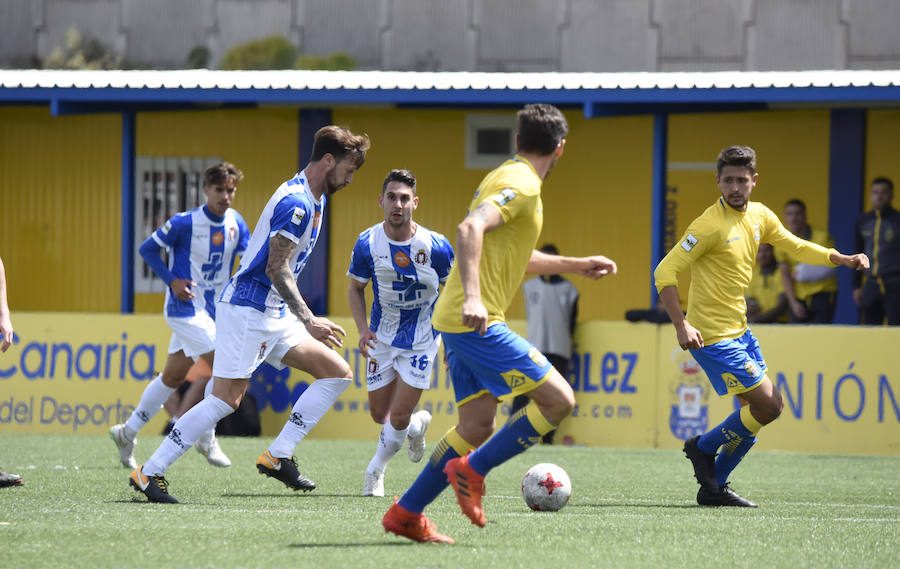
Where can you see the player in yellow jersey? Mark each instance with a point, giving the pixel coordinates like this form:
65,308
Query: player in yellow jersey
495,248
720,247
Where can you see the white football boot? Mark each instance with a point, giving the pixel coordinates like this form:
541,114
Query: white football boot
124,444
416,448
208,446
373,484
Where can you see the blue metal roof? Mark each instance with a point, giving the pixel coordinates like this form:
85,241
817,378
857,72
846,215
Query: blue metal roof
596,93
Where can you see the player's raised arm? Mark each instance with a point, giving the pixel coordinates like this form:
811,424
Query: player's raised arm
469,240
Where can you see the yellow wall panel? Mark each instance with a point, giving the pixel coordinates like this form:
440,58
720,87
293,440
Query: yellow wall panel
262,143
792,162
60,209
882,149
596,200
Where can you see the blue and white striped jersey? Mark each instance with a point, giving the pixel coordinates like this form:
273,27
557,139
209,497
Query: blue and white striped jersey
406,276
202,247
294,213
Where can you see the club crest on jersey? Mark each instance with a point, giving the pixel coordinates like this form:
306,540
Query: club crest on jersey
421,257
217,238
262,351
689,242
505,196
297,216
373,367
232,234
756,232
401,259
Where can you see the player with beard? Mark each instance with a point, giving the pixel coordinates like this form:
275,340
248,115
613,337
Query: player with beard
488,361
261,317
720,247
407,264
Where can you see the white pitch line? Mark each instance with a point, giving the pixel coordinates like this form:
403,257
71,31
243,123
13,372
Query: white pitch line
657,515
618,502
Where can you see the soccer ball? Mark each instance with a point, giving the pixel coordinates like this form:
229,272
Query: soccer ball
546,487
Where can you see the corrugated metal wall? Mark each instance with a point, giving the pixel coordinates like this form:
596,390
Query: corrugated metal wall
260,142
60,229
597,199
882,151
60,218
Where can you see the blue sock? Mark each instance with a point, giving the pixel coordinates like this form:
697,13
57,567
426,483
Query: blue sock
735,435
731,455
432,480
524,429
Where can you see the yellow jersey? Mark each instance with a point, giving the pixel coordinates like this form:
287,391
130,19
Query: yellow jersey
720,247
804,290
514,189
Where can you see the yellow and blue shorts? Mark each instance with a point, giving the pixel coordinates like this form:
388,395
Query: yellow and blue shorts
733,366
500,362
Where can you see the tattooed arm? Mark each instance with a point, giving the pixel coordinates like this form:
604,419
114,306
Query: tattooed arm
469,240
278,269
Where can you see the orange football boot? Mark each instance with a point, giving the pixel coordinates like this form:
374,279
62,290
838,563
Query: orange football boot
468,486
412,526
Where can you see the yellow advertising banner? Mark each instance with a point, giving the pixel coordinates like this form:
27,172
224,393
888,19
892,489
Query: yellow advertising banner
840,385
613,372
79,373
634,387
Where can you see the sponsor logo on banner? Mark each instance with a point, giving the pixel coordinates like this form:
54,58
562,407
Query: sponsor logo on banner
690,413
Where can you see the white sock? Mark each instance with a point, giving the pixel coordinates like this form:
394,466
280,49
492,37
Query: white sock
206,391
186,432
415,425
155,394
309,408
389,443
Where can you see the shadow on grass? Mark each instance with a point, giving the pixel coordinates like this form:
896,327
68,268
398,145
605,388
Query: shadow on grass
293,495
627,505
345,544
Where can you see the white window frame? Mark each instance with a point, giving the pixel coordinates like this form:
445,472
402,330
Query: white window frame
177,184
476,122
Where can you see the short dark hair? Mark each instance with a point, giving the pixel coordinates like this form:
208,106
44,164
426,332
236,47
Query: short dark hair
340,143
742,156
549,248
540,128
797,202
405,177
219,174
886,181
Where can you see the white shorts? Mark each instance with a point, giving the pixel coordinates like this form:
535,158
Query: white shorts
194,335
247,338
413,366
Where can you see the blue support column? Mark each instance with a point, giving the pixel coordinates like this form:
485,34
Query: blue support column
313,281
128,165
658,200
846,180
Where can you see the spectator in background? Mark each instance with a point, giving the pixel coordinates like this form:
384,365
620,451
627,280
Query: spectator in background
810,290
6,336
766,301
878,235
551,306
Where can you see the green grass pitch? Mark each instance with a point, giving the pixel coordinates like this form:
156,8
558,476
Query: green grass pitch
629,508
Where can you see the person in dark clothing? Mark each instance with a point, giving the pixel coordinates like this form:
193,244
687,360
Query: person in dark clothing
878,235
